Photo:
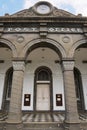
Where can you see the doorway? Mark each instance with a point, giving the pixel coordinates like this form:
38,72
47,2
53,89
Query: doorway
43,97
43,89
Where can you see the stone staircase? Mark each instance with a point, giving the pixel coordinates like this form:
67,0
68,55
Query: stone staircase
43,117
44,120
49,121
3,116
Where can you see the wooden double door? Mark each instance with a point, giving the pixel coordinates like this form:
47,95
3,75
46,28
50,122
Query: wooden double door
43,97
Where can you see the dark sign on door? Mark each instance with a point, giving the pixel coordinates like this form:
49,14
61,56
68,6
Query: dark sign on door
58,99
27,99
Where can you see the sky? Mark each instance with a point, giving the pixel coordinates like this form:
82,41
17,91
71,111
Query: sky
73,6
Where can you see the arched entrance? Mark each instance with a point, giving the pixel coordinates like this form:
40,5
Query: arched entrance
43,89
79,90
78,51
45,55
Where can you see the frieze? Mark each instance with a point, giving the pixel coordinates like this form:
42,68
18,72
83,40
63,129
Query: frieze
65,30
49,29
19,29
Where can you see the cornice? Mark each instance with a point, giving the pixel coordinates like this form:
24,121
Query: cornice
9,19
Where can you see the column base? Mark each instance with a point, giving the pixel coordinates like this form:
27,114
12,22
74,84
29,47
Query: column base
72,126
14,126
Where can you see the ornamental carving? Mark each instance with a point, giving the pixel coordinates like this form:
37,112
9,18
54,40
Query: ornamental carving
20,39
66,39
59,12
19,65
24,13
68,65
33,11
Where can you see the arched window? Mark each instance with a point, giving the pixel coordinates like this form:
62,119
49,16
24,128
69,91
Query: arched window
9,84
43,75
77,83
7,89
79,90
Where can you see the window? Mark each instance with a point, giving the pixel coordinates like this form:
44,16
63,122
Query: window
43,75
77,83
8,83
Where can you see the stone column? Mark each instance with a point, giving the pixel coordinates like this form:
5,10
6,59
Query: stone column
71,113
14,121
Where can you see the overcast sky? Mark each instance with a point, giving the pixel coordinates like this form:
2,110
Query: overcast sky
73,6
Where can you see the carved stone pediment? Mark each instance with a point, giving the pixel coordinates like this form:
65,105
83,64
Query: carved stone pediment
62,13
24,13
45,6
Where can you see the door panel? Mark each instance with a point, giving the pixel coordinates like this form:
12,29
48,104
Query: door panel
43,97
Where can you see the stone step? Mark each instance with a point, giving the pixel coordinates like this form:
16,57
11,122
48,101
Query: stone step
43,126
3,116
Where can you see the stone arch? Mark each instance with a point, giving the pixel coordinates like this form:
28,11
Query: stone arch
10,45
76,45
44,42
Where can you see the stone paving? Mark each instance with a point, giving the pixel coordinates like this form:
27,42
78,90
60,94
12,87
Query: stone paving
49,117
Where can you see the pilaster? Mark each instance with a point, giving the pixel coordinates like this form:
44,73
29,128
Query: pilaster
14,121
71,114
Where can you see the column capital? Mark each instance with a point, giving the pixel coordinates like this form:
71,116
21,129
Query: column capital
19,65
68,65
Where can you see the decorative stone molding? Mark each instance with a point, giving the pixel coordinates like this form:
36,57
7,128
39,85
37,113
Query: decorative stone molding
67,65
46,40
19,65
43,29
66,39
76,45
20,39
62,13
43,8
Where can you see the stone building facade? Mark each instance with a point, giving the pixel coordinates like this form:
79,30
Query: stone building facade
43,64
